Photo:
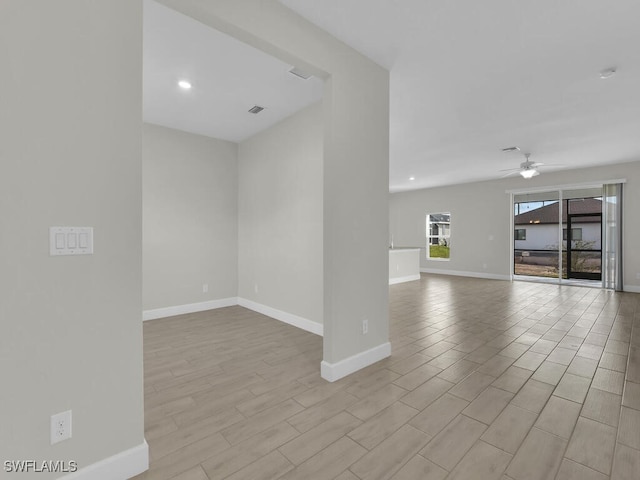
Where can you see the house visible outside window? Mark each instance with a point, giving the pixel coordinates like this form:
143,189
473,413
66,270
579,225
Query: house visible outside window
520,234
438,236
576,234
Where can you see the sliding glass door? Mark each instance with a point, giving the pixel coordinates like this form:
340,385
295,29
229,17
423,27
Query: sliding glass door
558,235
582,238
535,239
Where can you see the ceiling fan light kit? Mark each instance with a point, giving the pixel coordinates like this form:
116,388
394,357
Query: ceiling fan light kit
527,169
529,173
607,73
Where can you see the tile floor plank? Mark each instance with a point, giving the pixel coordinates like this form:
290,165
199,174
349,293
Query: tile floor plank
510,428
379,427
451,444
487,380
390,455
592,444
538,458
483,462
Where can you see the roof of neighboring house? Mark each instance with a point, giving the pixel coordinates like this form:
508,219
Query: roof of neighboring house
549,213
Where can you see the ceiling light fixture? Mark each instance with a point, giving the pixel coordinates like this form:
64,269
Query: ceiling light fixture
528,169
608,72
184,84
412,178
529,172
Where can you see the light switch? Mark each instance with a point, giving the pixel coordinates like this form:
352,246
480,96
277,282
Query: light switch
70,241
60,244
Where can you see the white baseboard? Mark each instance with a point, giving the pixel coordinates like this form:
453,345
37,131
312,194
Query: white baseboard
188,308
291,319
120,466
335,371
631,288
408,278
458,273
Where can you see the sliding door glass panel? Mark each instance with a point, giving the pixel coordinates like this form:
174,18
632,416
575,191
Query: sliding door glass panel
582,234
582,239
611,238
536,249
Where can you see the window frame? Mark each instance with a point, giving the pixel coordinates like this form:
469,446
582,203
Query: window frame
440,236
515,234
573,230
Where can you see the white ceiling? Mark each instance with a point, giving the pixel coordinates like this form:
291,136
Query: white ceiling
228,77
470,77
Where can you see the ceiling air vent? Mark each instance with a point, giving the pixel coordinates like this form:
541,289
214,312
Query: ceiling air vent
256,109
300,73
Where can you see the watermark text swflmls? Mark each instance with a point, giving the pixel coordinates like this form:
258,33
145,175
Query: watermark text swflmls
35,466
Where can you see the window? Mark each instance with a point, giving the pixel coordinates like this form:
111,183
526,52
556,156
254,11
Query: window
520,234
576,234
438,235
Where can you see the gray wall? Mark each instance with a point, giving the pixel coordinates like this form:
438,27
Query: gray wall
280,216
355,163
70,149
190,228
480,218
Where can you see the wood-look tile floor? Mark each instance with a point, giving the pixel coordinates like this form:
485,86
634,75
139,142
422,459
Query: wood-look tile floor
487,380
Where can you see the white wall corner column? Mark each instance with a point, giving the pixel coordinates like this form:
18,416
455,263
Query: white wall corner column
356,221
71,340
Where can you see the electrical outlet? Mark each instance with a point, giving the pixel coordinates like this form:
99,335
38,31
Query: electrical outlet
60,427
365,327
205,287
255,287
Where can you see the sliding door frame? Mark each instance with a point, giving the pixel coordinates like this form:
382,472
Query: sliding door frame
551,188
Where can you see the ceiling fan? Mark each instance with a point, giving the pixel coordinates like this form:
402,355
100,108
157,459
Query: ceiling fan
527,169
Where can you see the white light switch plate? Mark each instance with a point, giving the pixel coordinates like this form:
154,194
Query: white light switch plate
70,241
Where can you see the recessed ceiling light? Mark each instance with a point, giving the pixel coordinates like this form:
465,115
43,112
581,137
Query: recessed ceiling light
184,84
608,72
412,178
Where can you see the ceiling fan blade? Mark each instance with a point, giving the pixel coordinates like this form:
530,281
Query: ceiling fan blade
509,169
510,173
